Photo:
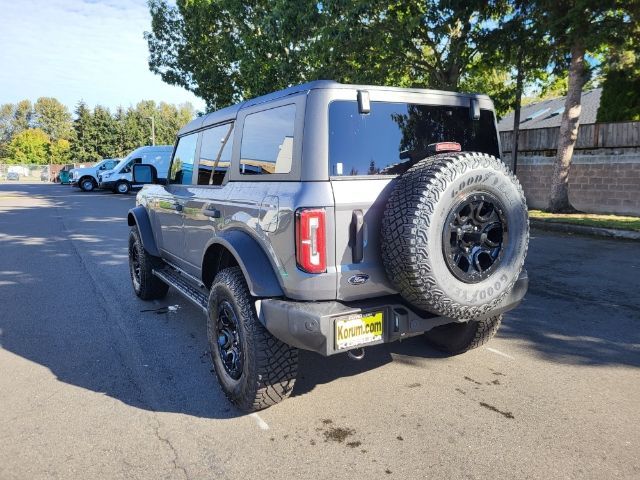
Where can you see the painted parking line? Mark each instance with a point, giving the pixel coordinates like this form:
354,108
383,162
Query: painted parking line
261,423
498,352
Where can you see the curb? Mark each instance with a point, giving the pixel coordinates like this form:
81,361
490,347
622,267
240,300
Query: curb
584,230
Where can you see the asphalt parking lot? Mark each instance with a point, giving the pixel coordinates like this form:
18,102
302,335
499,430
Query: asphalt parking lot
96,384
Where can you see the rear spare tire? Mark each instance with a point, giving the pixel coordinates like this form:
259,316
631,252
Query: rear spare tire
455,233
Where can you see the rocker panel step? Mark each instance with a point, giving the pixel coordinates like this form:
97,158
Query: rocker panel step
197,294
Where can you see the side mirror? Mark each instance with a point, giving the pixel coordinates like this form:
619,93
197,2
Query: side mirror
144,173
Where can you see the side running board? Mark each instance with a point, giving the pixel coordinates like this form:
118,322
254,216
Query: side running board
187,287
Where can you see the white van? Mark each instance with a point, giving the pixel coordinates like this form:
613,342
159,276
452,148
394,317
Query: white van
119,179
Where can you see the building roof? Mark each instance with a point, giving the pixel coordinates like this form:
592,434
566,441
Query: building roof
548,113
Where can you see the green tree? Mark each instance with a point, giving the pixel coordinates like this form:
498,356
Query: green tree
29,147
59,152
620,99
22,117
522,52
227,50
575,30
105,135
14,118
6,115
83,146
53,118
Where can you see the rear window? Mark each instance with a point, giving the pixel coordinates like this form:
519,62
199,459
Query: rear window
371,144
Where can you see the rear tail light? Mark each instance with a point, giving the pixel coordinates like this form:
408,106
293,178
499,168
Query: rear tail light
311,240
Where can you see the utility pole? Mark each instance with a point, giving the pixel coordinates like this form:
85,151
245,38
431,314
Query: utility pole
153,130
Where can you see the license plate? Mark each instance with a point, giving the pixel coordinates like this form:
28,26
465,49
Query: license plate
358,329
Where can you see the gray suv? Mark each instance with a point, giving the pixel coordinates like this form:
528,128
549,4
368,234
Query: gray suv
330,218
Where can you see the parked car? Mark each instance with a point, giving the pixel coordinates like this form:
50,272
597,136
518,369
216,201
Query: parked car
330,218
13,176
119,178
87,178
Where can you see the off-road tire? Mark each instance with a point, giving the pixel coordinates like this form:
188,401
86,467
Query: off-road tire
412,233
126,187
269,366
147,286
84,182
457,338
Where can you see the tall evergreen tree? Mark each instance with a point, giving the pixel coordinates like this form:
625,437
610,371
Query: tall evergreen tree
83,148
105,133
53,118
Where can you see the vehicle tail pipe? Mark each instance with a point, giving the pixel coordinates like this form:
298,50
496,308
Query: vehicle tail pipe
356,354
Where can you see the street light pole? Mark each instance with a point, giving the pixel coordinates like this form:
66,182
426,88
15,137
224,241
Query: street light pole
153,130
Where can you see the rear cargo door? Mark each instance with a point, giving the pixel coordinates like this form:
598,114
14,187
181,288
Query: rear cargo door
359,205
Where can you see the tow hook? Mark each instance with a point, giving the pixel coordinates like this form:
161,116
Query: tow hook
356,354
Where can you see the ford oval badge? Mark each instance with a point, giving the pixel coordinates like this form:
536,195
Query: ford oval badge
358,279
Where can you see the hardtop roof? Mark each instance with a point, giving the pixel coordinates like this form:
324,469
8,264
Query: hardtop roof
229,113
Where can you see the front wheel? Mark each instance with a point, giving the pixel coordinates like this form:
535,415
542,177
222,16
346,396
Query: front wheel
254,369
145,284
457,338
123,187
87,184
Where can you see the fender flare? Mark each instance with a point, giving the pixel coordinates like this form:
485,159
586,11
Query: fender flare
139,217
252,259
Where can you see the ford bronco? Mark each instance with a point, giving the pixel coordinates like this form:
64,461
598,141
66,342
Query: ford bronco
331,217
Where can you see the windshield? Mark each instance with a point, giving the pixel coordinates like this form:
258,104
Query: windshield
124,161
372,144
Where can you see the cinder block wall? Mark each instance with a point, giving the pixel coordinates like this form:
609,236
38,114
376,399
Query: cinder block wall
597,183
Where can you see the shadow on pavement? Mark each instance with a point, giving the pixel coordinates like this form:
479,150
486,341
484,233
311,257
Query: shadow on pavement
67,305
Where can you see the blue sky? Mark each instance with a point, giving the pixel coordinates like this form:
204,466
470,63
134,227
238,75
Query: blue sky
80,49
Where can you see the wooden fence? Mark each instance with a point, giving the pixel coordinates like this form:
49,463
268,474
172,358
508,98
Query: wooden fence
590,136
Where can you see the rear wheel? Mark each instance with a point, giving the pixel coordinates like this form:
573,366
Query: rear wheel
456,338
254,369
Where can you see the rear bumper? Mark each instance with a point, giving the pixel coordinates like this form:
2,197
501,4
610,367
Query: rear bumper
310,325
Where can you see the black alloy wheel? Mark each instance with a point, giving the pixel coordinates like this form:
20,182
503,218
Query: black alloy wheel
474,237
134,265
229,340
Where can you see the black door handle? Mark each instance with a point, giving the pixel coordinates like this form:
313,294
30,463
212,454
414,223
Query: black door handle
210,211
357,236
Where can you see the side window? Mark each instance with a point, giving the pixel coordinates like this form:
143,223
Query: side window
182,163
127,167
215,154
267,141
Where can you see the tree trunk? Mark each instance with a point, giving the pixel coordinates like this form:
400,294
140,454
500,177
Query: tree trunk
516,114
559,199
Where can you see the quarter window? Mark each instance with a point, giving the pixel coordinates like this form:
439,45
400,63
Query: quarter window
182,163
267,141
215,154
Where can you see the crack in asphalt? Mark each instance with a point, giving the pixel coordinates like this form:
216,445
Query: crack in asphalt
127,363
167,442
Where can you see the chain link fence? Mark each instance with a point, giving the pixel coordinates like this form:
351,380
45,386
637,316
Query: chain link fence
25,173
